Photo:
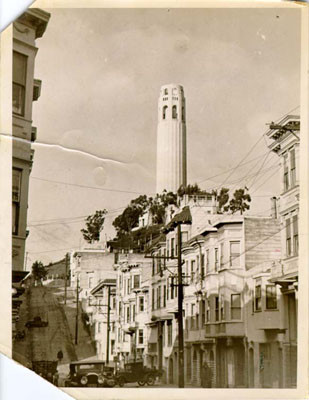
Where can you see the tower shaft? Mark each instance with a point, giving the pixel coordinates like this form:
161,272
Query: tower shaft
171,139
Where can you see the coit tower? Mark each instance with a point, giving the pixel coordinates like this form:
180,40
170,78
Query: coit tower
171,139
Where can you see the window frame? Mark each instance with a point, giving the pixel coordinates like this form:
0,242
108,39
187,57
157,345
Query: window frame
235,307
271,298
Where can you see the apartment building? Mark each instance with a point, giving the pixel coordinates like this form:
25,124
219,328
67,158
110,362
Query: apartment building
29,27
88,267
132,304
101,308
284,140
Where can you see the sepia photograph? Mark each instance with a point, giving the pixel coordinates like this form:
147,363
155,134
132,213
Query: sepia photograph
155,196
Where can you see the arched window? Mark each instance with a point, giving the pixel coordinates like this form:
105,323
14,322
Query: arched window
164,112
174,112
183,113
165,91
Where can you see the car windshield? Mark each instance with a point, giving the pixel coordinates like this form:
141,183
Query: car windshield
90,366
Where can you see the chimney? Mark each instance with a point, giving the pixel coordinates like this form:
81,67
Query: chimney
273,208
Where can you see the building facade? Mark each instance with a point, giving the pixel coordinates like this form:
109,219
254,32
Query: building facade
101,306
26,29
132,305
171,139
284,141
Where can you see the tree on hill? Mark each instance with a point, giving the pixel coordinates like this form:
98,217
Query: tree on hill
38,270
94,225
190,190
240,201
129,218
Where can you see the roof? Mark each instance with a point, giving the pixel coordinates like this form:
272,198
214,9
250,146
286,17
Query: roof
184,217
105,282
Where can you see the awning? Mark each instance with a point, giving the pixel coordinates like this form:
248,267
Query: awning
18,276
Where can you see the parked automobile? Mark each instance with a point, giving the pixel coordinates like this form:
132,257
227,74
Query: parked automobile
137,372
47,370
36,322
90,374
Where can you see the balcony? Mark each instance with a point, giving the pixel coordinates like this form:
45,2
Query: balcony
224,329
268,320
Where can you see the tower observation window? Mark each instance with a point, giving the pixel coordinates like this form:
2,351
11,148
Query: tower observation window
165,91
174,112
164,112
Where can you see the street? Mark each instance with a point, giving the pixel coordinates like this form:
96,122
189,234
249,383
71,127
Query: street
43,343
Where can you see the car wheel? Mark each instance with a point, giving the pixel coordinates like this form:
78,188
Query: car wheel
121,381
151,380
141,383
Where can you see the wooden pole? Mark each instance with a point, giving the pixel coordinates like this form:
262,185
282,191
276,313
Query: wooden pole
180,318
77,310
108,322
66,277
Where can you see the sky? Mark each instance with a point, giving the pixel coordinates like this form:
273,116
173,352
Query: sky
101,72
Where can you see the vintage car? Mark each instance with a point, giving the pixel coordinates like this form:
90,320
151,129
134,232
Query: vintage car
136,372
90,374
36,322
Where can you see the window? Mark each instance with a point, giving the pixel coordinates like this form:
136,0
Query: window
19,82
164,296
293,167
172,288
128,314
159,263
221,255
99,327
285,172
159,297
172,247
166,91
271,297
140,336
258,298
216,259
202,266
90,282
153,266
222,315
207,310
153,299
183,114
136,281
169,333
203,306
192,270
216,298
234,254
16,186
141,304
207,261
129,285
288,237
295,235
193,313
174,112
164,112
235,306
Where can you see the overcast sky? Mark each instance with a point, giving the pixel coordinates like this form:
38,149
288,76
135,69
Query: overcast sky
101,72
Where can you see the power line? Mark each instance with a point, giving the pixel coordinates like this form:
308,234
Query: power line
87,187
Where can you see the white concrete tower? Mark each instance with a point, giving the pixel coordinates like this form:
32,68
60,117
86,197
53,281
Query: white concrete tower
171,139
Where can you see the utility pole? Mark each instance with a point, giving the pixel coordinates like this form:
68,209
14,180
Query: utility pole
77,310
180,318
108,322
66,277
